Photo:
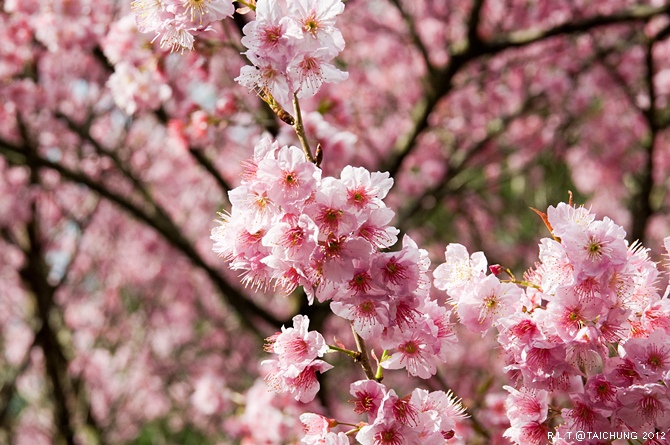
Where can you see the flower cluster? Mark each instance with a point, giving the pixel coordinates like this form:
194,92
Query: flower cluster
291,45
138,89
420,418
588,331
175,21
295,369
291,226
138,83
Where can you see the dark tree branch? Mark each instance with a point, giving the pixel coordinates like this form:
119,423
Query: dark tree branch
473,23
85,135
82,224
456,166
439,83
202,159
248,311
526,37
414,34
642,208
199,156
613,72
34,276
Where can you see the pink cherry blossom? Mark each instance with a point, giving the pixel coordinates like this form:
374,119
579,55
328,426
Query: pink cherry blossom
526,405
289,178
600,247
602,392
644,406
650,355
370,314
120,322
301,383
446,406
460,269
296,346
368,396
418,349
583,417
175,21
316,427
365,189
316,19
488,301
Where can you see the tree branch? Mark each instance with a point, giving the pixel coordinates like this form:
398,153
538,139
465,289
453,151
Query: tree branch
473,23
208,165
642,208
439,83
526,37
457,165
414,34
34,274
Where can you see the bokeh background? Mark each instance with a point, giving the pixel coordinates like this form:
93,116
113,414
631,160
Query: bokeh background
119,325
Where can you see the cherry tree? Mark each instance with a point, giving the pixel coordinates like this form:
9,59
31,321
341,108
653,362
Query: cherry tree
325,132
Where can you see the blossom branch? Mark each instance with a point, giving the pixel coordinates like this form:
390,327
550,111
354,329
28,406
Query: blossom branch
250,4
300,130
379,375
358,356
613,71
275,107
82,224
473,23
363,359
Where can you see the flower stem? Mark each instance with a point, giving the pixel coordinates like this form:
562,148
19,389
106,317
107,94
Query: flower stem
352,432
250,5
379,375
347,424
300,129
521,283
353,354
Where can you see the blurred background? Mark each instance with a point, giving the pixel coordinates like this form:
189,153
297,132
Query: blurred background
121,326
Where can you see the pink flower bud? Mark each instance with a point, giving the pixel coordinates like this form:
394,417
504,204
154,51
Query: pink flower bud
496,269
